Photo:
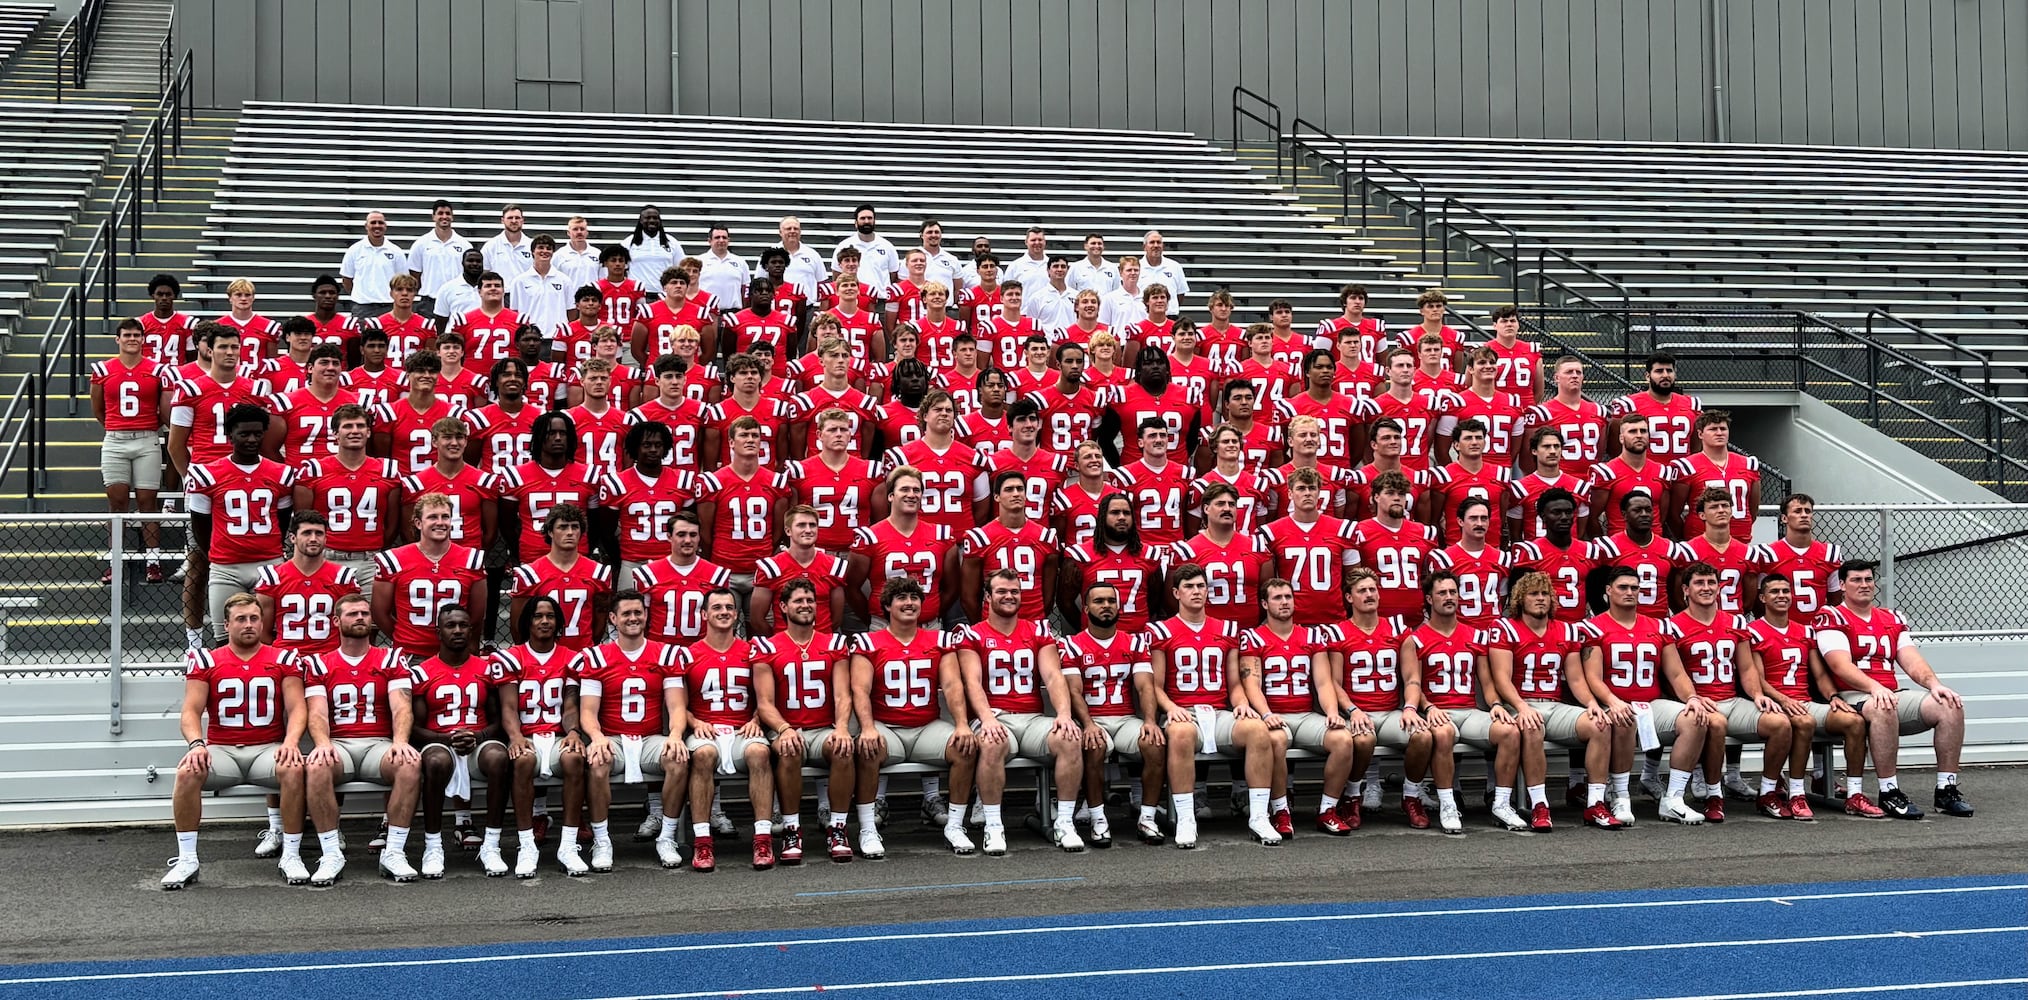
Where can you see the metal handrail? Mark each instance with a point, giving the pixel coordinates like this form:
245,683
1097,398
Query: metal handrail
1238,112
75,42
1543,251
1980,358
1367,162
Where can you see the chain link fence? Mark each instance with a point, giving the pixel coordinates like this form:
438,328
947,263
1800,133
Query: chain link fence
1946,567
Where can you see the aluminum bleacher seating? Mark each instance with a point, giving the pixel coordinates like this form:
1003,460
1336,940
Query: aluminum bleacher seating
301,177
50,156
18,23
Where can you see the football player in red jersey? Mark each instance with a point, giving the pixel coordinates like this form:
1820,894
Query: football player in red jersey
538,693
1718,547
674,585
1155,485
202,398
1249,484
685,416
1263,444
348,693
905,543
474,496
375,381
452,722
360,496
622,300
1716,467
809,715
1224,343
1433,378
305,430
1305,436
1070,408
1371,330
1524,518
629,694
1311,550
128,398
1416,415
461,384
1359,694
1277,667
402,328
634,505
1043,471
762,319
1671,416
1862,643
1106,666
1567,560
1341,418
1480,566
243,718
1235,560
570,343
168,334
952,481
488,331
1810,565
1650,555
1633,470
238,504
739,508
600,420
1387,450
799,559
898,671
1434,306
1785,649
1630,661
1580,423
1519,362
256,332
1011,541
1009,661
746,372
577,582
1470,477
1532,664
554,477
720,692
842,487
1074,505
289,369
423,576
1717,657
298,597
1443,665
402,425
832,392
1192,702
1499,411
1396,548
1152,395
1116,554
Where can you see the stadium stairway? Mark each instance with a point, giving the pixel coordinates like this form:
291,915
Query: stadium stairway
20,23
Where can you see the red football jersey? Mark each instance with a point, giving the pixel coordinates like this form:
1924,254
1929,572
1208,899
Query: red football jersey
1501,413
1284,666
1134,572
1273,383
548,383
452,697
644,506
246,505
1225,346
808,675
535,491
1359,489
1256,496
201,403
169,340
919,555
1672,425
421,585
1398,555
1339,414
488,339
986,435
357,691
1736,477
1567,568
405,337
1105,669
1077,508
1338,492
1611,481
951,481
1874,641
340,329
1020,549
1234,572
905,679
1784,655
1433,387
812,403
685,421
1449,664
750,328
1811,570
1009,661
1633,655
1734,563
1196,657
538,680
1481,576
310,432
1418,418
284,375
629,686
1158,498
1003,342
743,530
464,390
1045,471
676,596
1582,426
1540,658
304,604
579,588
1371,676
373,389
467,491
1453,484
1653,562
133,395
1519,367
258,336
771,412
826,572
1453,341
843,496
620,304
1177,408
362,505
1526,492
1707,651
1372,334
408,431
599,436
1068,421
244,704
1312,558
720,681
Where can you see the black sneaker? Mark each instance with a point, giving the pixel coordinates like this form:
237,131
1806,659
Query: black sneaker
1952,803
1896,804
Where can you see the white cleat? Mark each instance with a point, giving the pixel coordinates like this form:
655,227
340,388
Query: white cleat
1370,800
666,852
329,867
269,844
873,849
1186,831
721,824
182,872
1652,787
525,860
1450,819
650,828
1673,810
1623,810
1149,831
960,843
394,865
1263,831
573,863
293,871
491,861
1737,789
1508,818
433,861
996,841
602,856
935,811
1101,829
1064,835
1427,792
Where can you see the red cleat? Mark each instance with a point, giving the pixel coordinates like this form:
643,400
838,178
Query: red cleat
542,829
1538,819
1601,815
1861,806
1351,811
1418,814
1772,805
1283,823
1799,809
792,846
763,851
701,858
1714,809
584,835
839,844
155,573
1329,821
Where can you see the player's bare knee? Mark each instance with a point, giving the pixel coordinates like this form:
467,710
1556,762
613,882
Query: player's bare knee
706,755
757,756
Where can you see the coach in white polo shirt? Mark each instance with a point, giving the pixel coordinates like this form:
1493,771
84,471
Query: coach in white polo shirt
723,273
542,293
1159,270
577,258
879,262
1031,269
435,257
509,253
1094,271
944,265
806,268
368,266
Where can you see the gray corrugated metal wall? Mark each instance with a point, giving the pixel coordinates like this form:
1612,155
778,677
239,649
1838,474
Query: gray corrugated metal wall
1895,72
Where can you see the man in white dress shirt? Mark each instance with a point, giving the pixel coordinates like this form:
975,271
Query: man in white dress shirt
509,254
1094,271
879,262
437,256
1031,269
542,294
724,274
806,268
368,266
577,258
944,265
980,247
1158,269
1052,304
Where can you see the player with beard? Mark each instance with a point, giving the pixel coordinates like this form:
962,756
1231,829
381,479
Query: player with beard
1106,666
1115,555
1633,470
1671,416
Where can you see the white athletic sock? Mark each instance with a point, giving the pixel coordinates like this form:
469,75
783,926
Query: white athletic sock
493,836
1257,803
1767,784
1888,783
432,840
1651,767
186,845
1326,804
275,820
292,845
463,817
838,820
526,838
541,805
1797,786
1538,795
1678,781
1064,812
601,832
1447,797
669,827
327,841
1279,805
792,821
397,838
1147,812
992,814
932,786
569,837
1578,777
881,793
1854,786
655,808
1622,784
956,820
1502,796
1594,795
700,830
763,828
1183,805
866,817
1356,788
1945,779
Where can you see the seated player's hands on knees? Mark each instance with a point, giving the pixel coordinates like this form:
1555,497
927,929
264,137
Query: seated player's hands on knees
323,756
872,746
790,742
1151,734
196,760
1528,717
675,752
288,756
1947,696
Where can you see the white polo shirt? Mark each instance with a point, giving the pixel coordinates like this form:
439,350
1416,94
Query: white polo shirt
455,297
1102,278
1119,308
580,266
807,269
436,261
370,267
649,257
542,299
1170,275
879,262
509,260
945,267
1027,272
724,278
1049,308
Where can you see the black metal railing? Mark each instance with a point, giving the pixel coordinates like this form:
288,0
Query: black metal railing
1338,154
75,43
1275,125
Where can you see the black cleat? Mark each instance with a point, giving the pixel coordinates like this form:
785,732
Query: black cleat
1895,803
1951,802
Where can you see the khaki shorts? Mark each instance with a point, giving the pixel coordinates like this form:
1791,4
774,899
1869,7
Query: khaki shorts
739,745
922,744
131,458
242,765
1742,719
1666,712
360,758
227,579
1221,733
651,758
813,745
1559,722
1306,730
1123,734
1388,728
1474,725
1907,708
1027,733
